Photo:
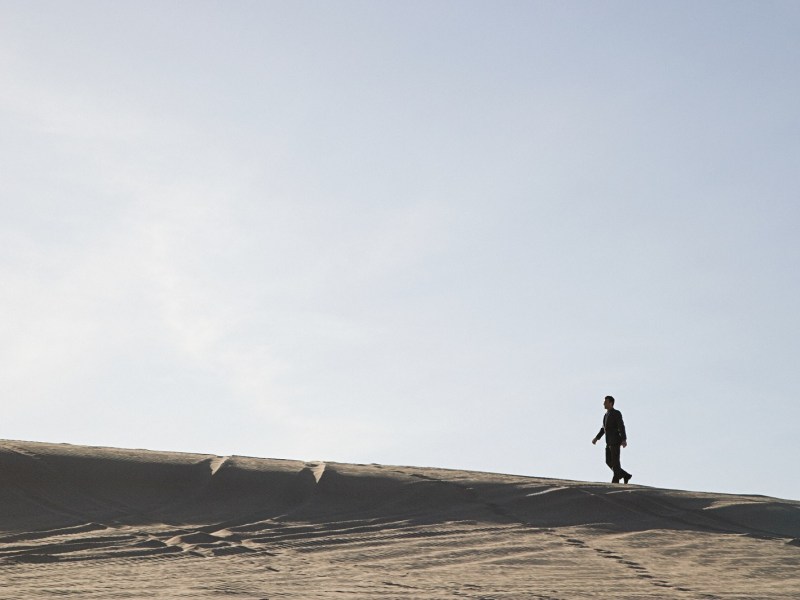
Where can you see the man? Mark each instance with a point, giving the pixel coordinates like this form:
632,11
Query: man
614,430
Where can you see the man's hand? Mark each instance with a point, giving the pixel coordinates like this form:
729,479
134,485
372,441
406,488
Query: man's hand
625,443
594,441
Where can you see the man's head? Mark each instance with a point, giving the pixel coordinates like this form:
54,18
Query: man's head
608,403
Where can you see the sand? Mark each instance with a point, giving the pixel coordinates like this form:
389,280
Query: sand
94,522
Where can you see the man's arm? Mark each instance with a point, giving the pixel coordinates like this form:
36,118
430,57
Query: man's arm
599,435
621,427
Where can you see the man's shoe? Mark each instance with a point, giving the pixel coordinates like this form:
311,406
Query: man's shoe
615,480
628,478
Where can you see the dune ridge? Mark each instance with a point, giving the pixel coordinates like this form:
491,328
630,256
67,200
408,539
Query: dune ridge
108,522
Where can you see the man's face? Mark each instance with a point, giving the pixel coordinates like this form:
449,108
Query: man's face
607,403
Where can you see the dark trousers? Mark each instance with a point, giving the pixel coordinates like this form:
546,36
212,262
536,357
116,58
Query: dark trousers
612,460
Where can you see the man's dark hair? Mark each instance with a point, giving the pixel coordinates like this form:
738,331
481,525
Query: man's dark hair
610,399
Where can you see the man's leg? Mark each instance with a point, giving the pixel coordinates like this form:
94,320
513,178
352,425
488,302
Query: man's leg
624,474
612,460
626,477
619,472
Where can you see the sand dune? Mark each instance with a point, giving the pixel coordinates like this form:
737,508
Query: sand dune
110,523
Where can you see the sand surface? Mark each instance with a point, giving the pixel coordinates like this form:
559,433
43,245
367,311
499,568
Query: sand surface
108,523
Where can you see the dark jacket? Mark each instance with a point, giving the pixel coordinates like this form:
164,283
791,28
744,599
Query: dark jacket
613,427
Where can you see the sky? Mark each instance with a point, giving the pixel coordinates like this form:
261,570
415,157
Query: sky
409,233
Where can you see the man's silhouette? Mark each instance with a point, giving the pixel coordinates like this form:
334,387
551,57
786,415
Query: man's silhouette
614,430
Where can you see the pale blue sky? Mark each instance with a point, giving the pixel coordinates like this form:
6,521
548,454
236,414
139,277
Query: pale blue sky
427,233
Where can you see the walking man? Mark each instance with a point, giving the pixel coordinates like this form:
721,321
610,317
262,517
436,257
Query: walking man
614,430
